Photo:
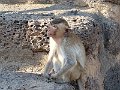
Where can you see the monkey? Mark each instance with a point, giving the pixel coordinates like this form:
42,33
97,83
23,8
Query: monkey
67,58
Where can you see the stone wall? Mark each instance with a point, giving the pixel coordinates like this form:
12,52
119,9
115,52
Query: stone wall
23,48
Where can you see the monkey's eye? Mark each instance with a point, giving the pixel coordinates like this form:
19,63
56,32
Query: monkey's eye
47,26
54,26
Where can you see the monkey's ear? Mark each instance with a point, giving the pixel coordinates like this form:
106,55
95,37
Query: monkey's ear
67,29
66,34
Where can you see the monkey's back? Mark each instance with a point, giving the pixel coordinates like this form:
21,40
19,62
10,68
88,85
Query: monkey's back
76,47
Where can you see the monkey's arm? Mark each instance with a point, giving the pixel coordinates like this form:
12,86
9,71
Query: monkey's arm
49,65
81,56
69,63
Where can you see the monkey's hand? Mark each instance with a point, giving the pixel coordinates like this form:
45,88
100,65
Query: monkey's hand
46,75
54,76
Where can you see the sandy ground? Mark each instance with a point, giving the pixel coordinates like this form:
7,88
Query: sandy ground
22,7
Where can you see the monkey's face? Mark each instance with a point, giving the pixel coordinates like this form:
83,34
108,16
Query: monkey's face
56,31
51,31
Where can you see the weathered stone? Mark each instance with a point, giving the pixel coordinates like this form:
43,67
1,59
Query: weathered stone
29,81
20,44
113,1
99,1
112,78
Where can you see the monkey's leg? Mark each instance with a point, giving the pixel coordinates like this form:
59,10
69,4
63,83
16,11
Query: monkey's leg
63,79
66,77
80,84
